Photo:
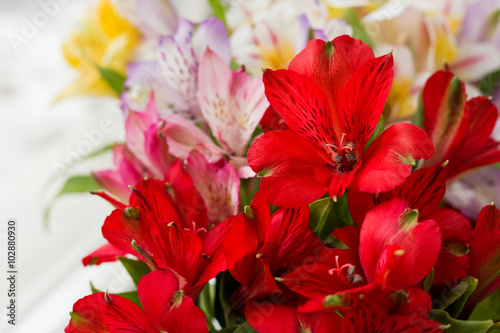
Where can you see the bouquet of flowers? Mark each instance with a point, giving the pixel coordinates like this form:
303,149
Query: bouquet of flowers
297,166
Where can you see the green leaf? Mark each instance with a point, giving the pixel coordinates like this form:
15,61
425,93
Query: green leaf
456,307
418,117
219,11
427,283
456,292
74,184
488,308
224,330
94,289
226,286
79,184
495,165
206,302
337,217
495,328
72,164
130,295
248,188
460,326
234,66
136,268
114,79
378,130
319,214
359,31
489,83
245,328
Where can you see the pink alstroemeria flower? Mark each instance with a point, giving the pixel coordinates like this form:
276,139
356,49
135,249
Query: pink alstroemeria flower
218,183
232,103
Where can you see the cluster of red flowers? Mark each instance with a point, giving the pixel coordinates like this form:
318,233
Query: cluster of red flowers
397,261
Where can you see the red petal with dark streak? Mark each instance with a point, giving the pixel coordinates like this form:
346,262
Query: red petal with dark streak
301,104
295,169
363,98
423,189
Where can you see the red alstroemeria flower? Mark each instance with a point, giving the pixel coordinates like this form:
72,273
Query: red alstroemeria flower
399,312
259,247
184,197
484,257
367,317
171,231
409,314
105,253
331,97
396,251
461,130
166,309
267,317
424,189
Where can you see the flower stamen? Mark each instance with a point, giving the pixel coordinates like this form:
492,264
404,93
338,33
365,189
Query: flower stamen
349,277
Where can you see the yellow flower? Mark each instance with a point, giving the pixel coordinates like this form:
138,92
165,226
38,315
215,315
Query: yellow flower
277,56
445,49
400,102
102,39
339,12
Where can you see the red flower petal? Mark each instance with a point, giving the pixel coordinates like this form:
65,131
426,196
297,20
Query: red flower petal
244,238
419,302
315,281
389,159
479,149
340,181
295,169
120,229
86,316
385,227
290,243
213,252
122,315
117,204
456,232
301,104
167,306
271,121
484,256
267,317
368,317
423,189
488,219
362,100
330,65
445,118
349,235
186,200
105,253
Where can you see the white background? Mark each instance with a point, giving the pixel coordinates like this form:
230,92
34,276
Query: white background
36,135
